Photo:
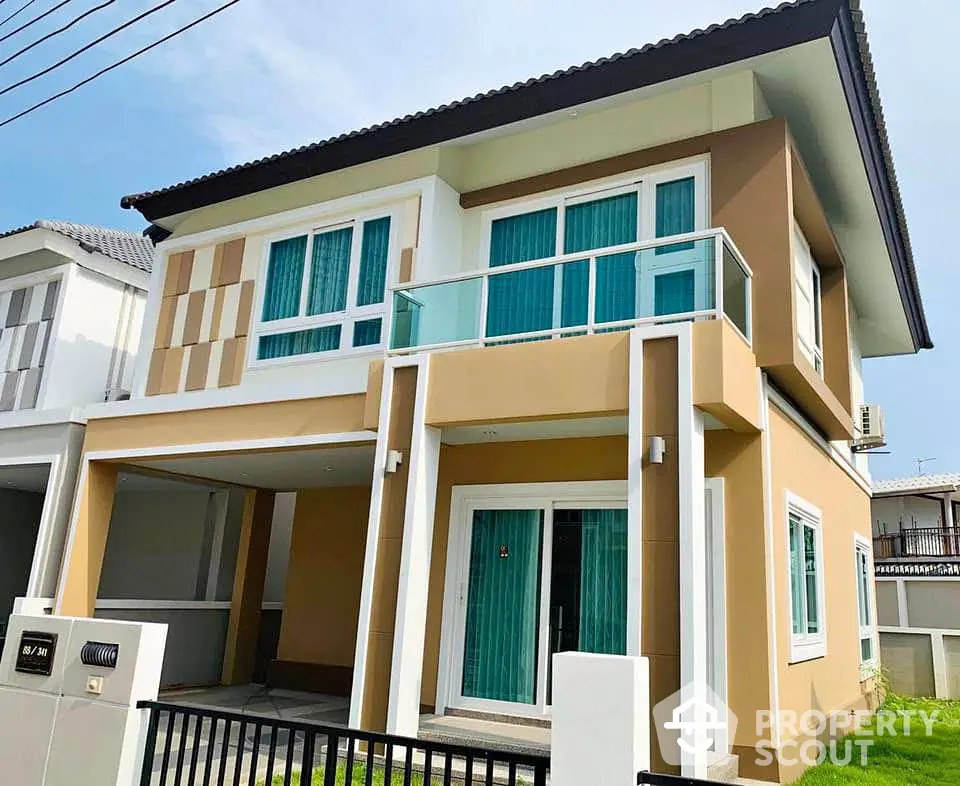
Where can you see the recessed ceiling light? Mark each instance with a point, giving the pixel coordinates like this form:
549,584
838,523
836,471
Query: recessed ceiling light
328,469
244,475
488,433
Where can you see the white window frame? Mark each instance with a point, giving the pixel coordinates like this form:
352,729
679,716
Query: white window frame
810,289
806,646
346,318
862,547
547,497
643,182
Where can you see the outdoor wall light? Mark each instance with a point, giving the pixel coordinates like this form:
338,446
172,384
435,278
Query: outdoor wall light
657,448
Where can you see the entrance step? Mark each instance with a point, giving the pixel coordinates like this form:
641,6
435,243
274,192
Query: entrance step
510,737
724,769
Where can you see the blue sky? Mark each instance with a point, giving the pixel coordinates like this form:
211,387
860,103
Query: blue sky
273,74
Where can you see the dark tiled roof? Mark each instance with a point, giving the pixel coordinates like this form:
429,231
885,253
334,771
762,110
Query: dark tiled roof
128,247
134,200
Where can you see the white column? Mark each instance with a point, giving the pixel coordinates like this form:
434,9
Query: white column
903,618
948,510
941,679
635,452
601,719
693,545
403,712
373,542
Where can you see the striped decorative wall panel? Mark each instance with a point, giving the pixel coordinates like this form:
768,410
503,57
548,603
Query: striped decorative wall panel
26,321
204,320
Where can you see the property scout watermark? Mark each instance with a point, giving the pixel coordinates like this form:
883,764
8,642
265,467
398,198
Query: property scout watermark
695,721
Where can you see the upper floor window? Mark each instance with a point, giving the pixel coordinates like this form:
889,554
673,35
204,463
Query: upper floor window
805,535
807,286
865,608
671,279
324,291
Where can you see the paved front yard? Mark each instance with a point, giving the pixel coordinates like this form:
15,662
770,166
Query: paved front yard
917,760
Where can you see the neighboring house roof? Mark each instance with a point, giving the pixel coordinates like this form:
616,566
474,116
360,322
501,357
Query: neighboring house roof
769,30
130,248
919,484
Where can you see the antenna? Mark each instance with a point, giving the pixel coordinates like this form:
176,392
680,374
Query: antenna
921,462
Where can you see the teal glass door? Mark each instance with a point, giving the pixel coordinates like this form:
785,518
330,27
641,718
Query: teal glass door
500,653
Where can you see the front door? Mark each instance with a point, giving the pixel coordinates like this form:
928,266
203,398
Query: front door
537,579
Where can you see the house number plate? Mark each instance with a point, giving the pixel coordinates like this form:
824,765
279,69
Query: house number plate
35,655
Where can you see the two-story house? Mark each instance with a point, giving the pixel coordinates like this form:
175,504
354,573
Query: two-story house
570,365
916,548
72,299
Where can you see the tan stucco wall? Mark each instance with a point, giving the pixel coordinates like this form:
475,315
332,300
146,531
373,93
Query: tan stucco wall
332,415
738,460
576,377
325,573
800,466
725,380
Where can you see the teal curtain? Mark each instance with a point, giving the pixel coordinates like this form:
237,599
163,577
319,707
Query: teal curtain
503,606
676,212
281,297
299,342
367,332
673,293
521,302
373,262
601,224
576,292
329,271
603,582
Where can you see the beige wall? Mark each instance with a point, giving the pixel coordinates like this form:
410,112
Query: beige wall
332,415
325,573
933,604
576,377
725,376
738,460
800,466
887,611
908,662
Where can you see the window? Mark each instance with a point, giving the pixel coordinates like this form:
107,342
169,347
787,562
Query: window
805,537
324,291
671,279
865,608
807,285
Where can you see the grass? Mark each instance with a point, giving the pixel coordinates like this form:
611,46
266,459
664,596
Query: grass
358,777
917,759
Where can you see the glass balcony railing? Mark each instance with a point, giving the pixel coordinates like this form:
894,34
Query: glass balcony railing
700,275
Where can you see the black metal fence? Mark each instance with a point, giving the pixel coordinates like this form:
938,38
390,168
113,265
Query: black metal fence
919,542
200,746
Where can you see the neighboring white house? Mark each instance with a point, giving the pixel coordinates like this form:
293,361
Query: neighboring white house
71,310
916,549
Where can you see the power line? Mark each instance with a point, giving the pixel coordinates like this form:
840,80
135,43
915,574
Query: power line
119,63
85,48
22,8
36,19
54,33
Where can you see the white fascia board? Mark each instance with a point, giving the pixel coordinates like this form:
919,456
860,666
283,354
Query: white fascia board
274,221
41,417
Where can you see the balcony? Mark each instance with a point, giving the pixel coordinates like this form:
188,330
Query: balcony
919,542
700,275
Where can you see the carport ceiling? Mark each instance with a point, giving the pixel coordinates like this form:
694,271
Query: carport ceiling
284,470
25,477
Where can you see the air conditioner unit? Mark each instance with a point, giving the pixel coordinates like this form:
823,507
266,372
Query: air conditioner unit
870,427
116,394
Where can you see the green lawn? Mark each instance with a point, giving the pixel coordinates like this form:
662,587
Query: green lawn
358,778
917,759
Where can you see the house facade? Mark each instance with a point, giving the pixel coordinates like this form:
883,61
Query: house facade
571,365
916,548
72,300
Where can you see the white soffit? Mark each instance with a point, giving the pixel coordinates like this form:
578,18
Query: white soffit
546,429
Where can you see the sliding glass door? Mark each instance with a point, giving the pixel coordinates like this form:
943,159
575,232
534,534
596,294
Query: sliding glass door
538,580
